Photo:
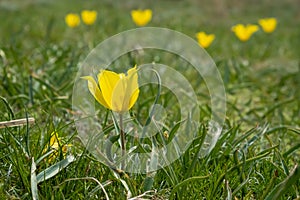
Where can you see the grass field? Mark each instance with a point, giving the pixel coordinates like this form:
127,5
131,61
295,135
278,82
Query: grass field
257,155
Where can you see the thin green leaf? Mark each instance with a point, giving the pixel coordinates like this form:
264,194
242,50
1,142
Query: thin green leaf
54,169
186,181
285,185
33,181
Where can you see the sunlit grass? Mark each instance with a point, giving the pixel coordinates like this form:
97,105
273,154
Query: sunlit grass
258,148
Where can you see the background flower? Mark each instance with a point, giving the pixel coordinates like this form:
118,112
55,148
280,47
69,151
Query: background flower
268,24
55,144
244,32
72,20
204,39
89,16
141,17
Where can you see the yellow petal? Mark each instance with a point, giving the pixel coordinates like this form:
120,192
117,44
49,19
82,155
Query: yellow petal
126,91
95,91
133,98
132,90
120,100
54,139
252,28
133,78
108,81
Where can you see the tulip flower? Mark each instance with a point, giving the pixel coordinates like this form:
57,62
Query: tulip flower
244,32
72,20
117,92
89,16
141,17
55,144
204,39
268,24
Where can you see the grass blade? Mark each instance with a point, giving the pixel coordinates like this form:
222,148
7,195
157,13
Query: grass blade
33,181
54,169
186,181
285,185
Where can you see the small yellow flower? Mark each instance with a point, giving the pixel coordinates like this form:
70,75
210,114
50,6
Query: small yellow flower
268,24
72,20
141,17
204,39
244,32
89,16
117,92
54,144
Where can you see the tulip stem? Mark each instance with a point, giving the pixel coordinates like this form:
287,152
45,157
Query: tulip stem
122,140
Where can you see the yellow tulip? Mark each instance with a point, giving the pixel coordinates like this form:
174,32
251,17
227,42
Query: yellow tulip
268,24
55,144
89,16
204,39
244,32
72,20
117,92
141,17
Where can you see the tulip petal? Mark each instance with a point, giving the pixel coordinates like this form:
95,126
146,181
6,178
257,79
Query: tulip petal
126,91
133,98
108,81
132,87
120,95
95,91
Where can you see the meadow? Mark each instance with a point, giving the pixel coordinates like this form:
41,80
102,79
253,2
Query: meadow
257,154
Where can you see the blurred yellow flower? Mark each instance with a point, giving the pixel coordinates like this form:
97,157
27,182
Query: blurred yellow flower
141,17
117,92
268,24
55,144
204,39
72,20
244,32
89,16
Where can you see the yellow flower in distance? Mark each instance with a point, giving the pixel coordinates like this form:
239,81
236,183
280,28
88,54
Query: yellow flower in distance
244,32
89,16
54,144
204,39
268,24
117,92
72,20
141,17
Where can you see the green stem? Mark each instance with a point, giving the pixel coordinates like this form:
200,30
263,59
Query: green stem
122,140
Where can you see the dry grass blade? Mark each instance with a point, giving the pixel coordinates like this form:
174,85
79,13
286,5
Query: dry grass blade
17,122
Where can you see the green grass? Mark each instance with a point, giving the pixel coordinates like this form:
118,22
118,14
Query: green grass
257,155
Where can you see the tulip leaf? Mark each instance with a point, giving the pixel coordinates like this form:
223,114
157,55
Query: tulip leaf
111,140
33,181
54,169
285,185
174,130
